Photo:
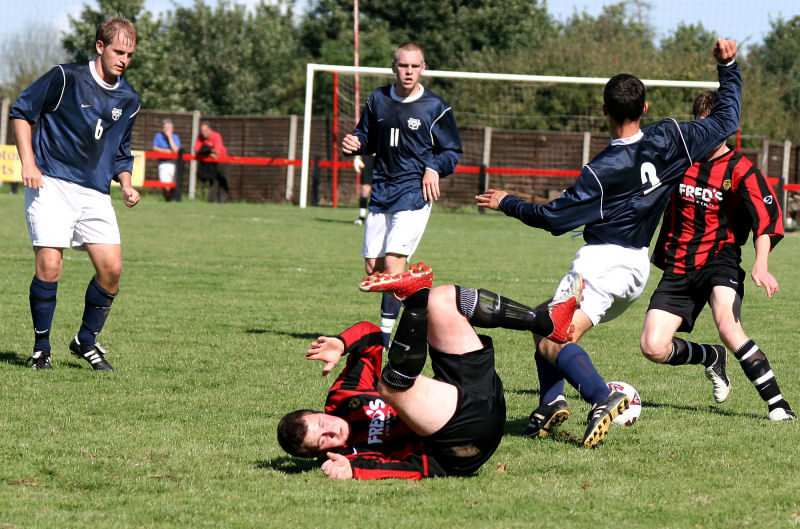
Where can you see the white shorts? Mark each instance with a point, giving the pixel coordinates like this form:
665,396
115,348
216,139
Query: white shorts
398,232
61,214
614,277
166,172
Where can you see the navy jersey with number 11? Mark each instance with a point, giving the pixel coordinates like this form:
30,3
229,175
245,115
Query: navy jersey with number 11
84,124
407,136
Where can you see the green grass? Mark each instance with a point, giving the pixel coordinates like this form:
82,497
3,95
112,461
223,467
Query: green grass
217,306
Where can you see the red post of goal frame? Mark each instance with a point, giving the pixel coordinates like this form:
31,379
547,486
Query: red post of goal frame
335,136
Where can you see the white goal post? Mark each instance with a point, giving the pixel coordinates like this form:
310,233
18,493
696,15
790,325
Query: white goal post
312,69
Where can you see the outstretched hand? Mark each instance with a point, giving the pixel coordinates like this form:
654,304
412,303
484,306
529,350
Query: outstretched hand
490,198
725,50
337,467
326,349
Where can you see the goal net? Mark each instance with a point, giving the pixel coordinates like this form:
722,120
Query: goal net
525,132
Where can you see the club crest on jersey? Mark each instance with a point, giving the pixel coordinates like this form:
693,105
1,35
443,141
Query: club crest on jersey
726,184
354,403
414,123
116,113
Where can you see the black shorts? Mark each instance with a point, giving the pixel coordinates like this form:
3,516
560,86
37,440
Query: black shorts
685,295
472,435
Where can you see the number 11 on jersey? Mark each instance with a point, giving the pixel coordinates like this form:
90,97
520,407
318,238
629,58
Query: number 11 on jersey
394,137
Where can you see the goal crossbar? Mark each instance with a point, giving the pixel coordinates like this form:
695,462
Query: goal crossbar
312,68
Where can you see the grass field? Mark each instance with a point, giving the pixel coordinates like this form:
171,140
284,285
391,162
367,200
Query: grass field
217,305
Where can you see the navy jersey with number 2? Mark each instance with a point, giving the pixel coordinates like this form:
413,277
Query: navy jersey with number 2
407,136
620,195
84,124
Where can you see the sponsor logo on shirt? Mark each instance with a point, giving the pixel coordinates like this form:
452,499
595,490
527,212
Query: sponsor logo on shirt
701,195
377,412
768,199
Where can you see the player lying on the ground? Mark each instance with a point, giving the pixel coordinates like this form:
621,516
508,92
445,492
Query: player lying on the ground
397,423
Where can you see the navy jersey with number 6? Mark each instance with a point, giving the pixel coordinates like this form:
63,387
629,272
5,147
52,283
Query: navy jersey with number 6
84,124
620,195
407,136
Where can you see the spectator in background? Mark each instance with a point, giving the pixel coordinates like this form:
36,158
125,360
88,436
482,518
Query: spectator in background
167,141
209,146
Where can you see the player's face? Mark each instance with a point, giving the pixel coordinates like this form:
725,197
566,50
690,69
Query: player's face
325,432
114,57
407,67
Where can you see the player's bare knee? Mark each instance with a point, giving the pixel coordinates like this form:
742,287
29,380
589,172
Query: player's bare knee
549,350
441,302
654,348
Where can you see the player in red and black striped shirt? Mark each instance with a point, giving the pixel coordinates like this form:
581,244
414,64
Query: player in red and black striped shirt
720,200
396,423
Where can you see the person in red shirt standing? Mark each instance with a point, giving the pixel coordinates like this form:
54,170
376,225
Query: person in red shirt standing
721,199
209,146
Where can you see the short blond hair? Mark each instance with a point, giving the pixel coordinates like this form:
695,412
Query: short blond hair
408,46
113,26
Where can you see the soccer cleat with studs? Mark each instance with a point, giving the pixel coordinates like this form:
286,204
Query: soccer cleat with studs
562,308
546,417
40,360
782,414
717,375
94,354
601,415
401,285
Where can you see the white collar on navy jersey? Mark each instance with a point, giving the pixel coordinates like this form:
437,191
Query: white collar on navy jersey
99,79
630,139
409,99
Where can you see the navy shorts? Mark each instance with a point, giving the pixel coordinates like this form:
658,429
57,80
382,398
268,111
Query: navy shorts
472,435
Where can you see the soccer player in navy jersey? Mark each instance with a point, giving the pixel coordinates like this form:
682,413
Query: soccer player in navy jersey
84,114
396,423
618,198
721,199
413,135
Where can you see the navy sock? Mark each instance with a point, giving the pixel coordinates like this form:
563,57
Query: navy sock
95,311
43,305
551,381
579,371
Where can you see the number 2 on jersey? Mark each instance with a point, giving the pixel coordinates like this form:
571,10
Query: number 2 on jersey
648,171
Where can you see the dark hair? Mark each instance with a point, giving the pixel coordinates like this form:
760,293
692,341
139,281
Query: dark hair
624,97
408,46
704,103
292,431
113,26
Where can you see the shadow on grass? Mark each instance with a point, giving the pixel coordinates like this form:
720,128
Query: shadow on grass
514,429
335,221
288,465
10,357
302,335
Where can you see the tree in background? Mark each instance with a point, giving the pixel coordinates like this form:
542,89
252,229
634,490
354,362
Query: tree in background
230,59
776,64
21,63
